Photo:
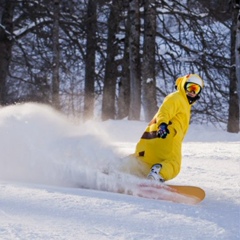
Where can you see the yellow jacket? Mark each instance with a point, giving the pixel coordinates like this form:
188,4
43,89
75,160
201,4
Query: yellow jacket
174,111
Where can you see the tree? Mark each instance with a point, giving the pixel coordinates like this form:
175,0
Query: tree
237,53
91,28
148,65
6,43
124,80
233,118
109,89
134,61
56,56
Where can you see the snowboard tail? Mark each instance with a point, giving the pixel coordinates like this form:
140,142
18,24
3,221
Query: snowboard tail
175,193
190,191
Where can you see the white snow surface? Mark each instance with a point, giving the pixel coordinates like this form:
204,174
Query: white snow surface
51,176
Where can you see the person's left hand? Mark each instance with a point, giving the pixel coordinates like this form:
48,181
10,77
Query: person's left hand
163,131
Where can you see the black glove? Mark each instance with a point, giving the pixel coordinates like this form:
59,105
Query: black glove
163,130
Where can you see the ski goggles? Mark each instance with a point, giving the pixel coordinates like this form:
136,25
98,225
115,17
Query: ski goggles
193,87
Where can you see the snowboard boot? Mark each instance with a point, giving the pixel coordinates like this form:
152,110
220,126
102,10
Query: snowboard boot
154,173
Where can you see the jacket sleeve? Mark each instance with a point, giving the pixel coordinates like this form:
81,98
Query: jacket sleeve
167,110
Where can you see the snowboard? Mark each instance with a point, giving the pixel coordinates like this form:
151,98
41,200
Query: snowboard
120,183
175,193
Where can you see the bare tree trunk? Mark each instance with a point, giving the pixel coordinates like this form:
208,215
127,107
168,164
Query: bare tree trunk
237,54
148,66
134,60
124,87
124,83
6,42
109,90
56,56
91,27
233,117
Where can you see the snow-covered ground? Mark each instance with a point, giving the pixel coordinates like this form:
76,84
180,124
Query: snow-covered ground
44,156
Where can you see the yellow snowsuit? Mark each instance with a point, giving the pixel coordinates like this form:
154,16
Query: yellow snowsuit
174,111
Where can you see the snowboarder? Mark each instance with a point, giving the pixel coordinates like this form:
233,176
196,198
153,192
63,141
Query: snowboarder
158,152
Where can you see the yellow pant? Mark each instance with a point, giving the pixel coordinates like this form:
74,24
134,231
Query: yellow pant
166,151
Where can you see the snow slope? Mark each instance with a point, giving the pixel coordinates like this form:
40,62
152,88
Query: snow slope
44,158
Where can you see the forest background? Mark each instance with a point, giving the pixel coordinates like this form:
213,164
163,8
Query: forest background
100,59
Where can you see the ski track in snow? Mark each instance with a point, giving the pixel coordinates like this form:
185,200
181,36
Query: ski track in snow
44,157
